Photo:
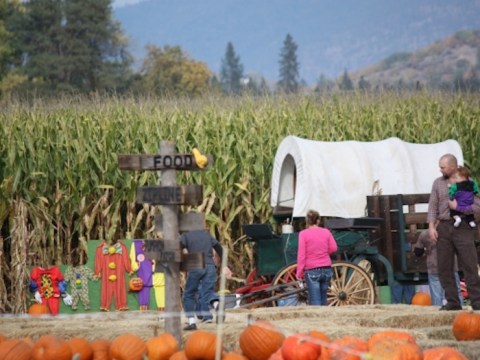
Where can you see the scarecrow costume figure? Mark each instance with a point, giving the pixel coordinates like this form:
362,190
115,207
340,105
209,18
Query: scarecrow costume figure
77,276
111,263
48,285
145,271
143,267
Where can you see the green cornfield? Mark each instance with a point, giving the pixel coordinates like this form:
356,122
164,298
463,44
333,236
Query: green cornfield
60,184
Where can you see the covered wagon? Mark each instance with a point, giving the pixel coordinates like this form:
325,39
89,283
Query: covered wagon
372,195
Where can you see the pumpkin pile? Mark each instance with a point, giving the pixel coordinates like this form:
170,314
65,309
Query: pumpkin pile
258,341
123,347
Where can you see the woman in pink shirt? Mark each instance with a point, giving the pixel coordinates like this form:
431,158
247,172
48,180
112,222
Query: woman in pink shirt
315,244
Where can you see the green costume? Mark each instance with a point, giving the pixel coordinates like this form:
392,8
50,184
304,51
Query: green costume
77,277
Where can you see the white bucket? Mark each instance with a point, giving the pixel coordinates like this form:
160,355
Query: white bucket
287,229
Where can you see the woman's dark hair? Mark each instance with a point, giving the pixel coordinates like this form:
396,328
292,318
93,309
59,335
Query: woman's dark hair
312,217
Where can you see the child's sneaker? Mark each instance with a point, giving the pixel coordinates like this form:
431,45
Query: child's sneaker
457,222
472,224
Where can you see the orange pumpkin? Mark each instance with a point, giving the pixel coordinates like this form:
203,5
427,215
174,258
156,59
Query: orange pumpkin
389,348
179,355
321,339
128,347
346,348
466,326
233,355
201,345
101,349
135,284
277,355
393,334
443,353
15,349
51,347
298,347
161,347
260,340
422,299
38,310
80,348
29,341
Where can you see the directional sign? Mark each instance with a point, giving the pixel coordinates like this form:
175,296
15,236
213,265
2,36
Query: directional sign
170,195
186,222
160,162
155,250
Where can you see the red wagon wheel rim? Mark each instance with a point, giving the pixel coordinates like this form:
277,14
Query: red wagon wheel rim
287,276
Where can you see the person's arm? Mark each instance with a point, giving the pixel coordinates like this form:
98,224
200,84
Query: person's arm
219,250
62,286
332,244
183,241
433,212
300,256
452,190
133,258
419,246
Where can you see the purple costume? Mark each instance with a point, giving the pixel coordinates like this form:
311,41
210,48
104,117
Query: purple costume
144,272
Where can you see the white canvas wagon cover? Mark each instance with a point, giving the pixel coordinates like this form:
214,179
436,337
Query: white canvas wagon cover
335,178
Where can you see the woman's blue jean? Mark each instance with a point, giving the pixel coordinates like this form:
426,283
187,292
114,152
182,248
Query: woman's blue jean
318,282
200,286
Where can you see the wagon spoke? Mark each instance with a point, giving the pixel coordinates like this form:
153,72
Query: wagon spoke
350,285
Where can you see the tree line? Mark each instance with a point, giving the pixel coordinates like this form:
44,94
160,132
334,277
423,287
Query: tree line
51,47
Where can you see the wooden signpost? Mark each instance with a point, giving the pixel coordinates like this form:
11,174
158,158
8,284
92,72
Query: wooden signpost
171,195
186,222
159,162
167,252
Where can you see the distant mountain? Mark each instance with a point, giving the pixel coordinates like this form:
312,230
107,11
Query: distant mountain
452,60
331,35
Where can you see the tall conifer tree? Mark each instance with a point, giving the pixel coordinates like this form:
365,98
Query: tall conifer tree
231,73
289,67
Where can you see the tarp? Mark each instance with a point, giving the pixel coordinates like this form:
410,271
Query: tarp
335,178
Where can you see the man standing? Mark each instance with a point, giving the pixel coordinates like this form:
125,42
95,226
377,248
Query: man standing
200,281
451,240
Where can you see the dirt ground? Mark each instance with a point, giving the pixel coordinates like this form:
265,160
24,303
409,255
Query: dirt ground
430,326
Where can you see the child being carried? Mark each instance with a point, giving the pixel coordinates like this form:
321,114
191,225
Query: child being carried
463,190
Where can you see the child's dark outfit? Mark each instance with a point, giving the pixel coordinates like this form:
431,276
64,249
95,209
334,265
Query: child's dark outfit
464,192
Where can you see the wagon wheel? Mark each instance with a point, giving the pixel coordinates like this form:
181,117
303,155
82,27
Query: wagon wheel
350,285
253,276
286,275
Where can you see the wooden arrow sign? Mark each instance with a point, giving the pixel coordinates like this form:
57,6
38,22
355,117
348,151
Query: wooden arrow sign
171,195
155,250
160,162
186,222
